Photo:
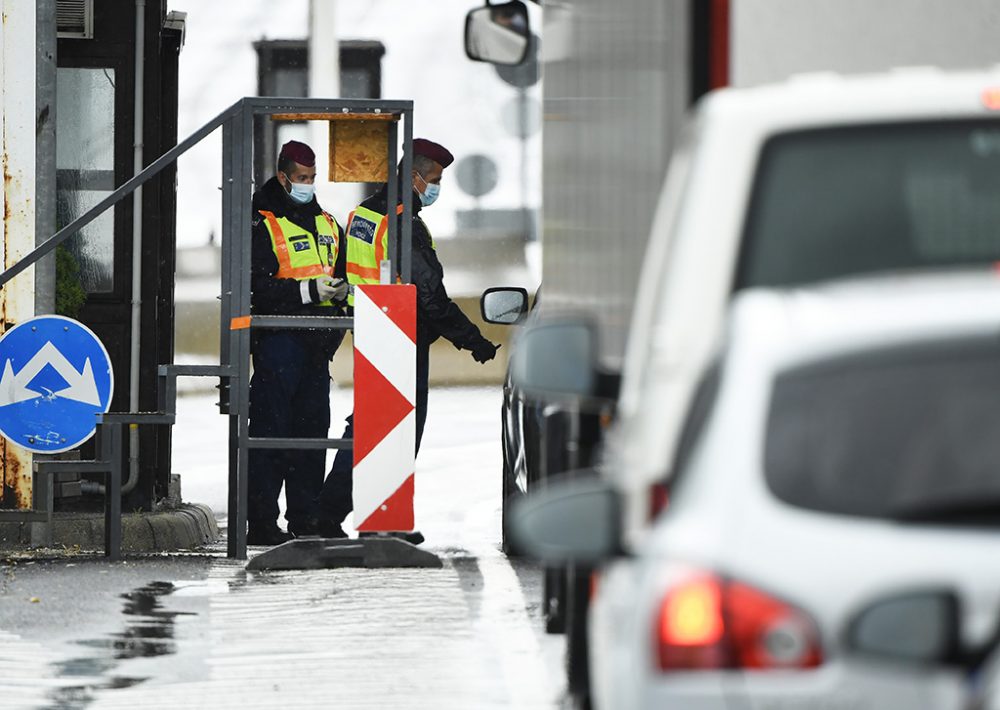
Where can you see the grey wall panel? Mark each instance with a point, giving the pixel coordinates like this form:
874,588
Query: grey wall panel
615,94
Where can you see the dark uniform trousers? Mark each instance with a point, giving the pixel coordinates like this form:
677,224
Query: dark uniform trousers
335,502
289,397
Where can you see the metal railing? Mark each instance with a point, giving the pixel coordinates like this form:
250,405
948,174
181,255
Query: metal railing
236,321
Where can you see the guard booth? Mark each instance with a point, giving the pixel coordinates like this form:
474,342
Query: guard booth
101,96
359,129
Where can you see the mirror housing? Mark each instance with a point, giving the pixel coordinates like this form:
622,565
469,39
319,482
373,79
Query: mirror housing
574,519
916,627
503,305
498,34
556,357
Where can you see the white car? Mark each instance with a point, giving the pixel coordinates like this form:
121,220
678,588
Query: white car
816,178
831,537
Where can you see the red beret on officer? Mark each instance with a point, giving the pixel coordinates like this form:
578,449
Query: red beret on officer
435,151
299,152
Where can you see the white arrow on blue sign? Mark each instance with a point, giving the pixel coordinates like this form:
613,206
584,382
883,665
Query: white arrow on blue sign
55,376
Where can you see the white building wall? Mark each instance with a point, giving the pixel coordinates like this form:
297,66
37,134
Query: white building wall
17,229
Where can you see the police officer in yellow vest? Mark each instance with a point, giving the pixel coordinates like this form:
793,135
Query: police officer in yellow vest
437,315
298,268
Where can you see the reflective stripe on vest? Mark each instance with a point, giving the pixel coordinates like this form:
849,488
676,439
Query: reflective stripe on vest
300,254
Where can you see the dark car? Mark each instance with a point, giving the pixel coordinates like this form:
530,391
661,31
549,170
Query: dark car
541,439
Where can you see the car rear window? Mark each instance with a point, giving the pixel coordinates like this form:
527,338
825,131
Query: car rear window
838,202
909,433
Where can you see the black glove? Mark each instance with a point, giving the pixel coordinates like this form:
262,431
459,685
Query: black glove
484,351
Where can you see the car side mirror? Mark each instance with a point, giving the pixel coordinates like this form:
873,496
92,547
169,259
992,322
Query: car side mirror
498,34
505,306
918,627
569,520
556,357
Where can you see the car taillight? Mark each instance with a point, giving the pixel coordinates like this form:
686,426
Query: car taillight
708,622
991,98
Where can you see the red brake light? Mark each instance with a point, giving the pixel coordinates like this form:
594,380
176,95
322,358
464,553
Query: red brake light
692,614
707,622
991,98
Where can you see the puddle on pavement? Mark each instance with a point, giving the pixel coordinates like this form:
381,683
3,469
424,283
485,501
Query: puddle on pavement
149,631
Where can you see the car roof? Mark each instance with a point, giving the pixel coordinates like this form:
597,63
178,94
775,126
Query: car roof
914,93
840,317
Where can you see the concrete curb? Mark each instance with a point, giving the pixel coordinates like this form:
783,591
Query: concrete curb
188,526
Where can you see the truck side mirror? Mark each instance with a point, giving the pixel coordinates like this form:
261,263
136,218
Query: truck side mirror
556,357
505,306
498,33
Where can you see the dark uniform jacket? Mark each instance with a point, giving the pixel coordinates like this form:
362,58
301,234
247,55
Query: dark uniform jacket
274,296
437,314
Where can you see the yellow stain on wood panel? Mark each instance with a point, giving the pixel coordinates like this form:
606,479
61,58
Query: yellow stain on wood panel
359,151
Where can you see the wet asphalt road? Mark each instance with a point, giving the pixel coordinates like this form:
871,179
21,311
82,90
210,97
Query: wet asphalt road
200,631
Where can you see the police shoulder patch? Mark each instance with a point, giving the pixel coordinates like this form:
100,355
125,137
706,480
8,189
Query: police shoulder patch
363,229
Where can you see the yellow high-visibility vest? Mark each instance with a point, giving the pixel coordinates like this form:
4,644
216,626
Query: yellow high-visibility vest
300,255
367,244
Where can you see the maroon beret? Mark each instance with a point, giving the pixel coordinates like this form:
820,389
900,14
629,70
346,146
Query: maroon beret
299,152
435,151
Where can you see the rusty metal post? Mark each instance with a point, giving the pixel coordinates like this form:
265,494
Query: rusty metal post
17,234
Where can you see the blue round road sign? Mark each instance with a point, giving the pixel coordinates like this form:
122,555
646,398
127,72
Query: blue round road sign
55,376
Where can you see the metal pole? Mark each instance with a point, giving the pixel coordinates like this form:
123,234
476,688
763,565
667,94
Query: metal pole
388,274
226,267
111,450
45,211
138,121
229,386
45,150
242,203
405,257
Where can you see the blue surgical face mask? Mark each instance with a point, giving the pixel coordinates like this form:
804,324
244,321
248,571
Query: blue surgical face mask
301,192
430,193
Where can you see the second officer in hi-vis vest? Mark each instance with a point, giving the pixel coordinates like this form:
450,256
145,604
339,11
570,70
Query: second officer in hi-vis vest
298,269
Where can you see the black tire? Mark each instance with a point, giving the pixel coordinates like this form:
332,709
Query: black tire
509,493
577,604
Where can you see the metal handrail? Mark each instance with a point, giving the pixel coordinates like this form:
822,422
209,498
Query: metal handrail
259,104
147,173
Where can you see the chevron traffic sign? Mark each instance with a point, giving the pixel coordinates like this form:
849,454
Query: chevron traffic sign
385,371
56,375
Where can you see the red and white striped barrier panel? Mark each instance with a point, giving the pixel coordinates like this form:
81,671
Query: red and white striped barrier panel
385,373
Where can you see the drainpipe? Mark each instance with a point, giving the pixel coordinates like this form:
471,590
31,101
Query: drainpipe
133,404
45,151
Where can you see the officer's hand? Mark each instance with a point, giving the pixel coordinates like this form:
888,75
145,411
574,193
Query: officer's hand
484,351
330,289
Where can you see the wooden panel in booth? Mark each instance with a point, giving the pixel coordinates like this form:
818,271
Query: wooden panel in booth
358,151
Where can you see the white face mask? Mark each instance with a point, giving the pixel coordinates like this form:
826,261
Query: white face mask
300,192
